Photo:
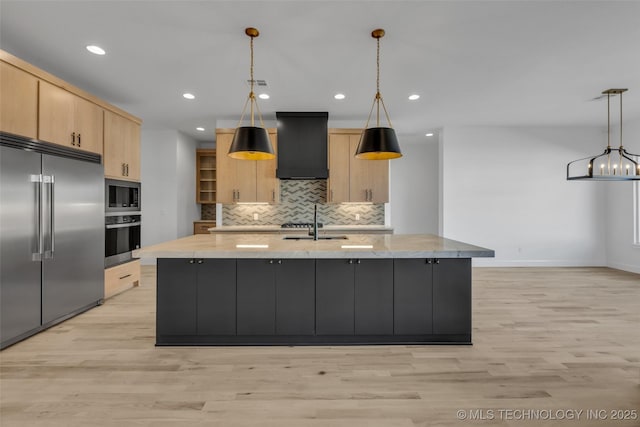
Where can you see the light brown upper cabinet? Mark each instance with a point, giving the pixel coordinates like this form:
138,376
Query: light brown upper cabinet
67,119
121,147
245,181
352,179
19,101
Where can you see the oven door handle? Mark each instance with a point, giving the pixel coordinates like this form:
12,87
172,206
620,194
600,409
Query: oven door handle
123,225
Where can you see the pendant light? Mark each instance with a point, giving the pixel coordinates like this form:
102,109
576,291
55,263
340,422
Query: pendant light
614,164
378,143
251,142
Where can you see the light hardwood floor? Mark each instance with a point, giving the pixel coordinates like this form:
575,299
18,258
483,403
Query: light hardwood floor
563,339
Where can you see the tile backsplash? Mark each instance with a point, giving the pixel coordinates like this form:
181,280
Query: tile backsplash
297,198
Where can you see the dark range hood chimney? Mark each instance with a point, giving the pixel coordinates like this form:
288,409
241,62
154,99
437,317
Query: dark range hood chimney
302,145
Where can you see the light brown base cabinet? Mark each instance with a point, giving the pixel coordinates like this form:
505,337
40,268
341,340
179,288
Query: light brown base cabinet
202,227
121,277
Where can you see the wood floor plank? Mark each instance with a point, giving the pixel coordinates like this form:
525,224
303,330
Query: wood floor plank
544,339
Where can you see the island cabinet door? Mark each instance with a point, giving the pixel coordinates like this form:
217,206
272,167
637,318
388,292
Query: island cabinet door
334,297
412,296
374,297
256,297
452,296
216,285
176,300
295,297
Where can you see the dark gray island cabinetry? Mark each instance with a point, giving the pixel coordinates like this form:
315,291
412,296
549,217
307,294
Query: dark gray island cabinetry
248,289
313,301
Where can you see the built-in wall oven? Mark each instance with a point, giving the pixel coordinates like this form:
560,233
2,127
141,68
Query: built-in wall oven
123,220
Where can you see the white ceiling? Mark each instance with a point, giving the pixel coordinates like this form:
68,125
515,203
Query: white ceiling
472,62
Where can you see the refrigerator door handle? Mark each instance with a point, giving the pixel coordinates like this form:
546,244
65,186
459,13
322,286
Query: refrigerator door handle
37,179
49,220
52,211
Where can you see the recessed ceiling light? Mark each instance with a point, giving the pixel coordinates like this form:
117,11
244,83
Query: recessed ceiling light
428,134
200,129
263,96
339,96
96,50
189,95
414,97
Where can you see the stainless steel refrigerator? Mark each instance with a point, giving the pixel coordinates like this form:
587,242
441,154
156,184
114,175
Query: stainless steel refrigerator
51,235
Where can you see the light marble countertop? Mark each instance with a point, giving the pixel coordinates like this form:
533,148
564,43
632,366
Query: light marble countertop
278,229
239,245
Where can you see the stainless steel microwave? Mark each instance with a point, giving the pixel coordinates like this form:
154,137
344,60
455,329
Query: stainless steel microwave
121,196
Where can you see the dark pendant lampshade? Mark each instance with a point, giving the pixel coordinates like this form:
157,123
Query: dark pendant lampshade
251,143
378,143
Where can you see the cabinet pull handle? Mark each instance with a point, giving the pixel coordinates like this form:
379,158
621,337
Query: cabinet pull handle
125,276
127,169
191,261
370,195
123,169
279,261
73,138
358,262
79,140
200,261
270,261
331,199
273,195
238,195
437,261
350,261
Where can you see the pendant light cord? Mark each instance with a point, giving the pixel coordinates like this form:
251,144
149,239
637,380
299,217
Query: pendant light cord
251,94
251,99
378,96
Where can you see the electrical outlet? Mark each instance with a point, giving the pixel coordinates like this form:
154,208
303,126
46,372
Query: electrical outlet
357,217
255,216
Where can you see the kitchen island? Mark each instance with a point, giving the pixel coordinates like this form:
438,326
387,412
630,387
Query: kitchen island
254,289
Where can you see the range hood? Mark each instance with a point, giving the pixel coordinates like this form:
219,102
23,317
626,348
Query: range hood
302,145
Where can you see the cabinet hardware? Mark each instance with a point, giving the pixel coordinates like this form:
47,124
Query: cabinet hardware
238,195
358,262
125,276
127,168
270,261
437,261
350,261
123,170
273,195
191,261
73,138
370,195
200,261
279,261
331,199
429,261
79,140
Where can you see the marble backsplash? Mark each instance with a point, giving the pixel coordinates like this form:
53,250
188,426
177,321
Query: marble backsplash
297,198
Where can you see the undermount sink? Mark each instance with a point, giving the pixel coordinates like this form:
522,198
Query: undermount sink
311,238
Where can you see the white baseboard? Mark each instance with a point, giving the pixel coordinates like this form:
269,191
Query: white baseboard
625,267
482,262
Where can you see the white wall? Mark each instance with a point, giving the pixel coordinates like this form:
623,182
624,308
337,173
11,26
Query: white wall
621,252
188,209
168,186
506,189
413,191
